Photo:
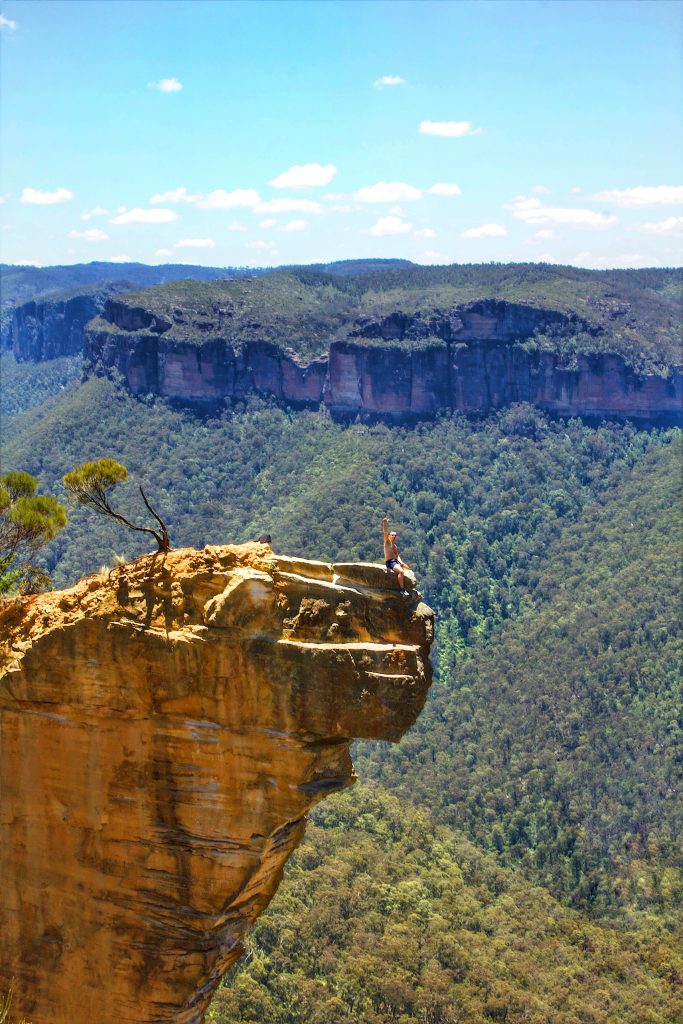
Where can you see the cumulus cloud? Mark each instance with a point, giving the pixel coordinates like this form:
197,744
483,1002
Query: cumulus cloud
295,225
140,216
532,211
288,206
219,199
7,23
424,233
541,190
163,252
259,244
448,129
390,226
544,233
90,235
387,192
305,176
642,195
431,257
485,231
39,198
195,243
670,226
443,188
236,227
166,85
119,259
269,222
176,195
97,211
385,80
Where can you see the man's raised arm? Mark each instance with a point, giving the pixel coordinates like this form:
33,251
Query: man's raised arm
385,524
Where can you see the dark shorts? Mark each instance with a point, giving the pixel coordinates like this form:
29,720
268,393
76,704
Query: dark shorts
391,562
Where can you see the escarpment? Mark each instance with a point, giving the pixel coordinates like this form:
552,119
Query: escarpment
164,730
472,359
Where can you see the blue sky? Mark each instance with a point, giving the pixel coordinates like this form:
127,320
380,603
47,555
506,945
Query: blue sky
258,133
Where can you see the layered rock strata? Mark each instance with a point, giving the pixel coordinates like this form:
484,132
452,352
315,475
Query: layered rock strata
400,368
164,730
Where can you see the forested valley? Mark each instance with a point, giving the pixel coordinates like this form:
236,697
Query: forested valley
517,856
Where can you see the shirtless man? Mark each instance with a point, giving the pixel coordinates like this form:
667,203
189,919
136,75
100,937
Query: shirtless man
392,557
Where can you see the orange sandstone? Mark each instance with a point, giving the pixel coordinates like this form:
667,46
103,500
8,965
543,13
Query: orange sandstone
164,730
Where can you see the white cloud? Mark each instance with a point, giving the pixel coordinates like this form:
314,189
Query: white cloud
642,195
97,211
295,225
541,190
588,259
163,252
119,259
90,235
443,188
424,233
429,256
121,209
485,231
8,227
305,176
385,80
140,216
390,226
288,206
219,199
269,222
7,23
236,227
387,192
261,245
448,129
532,211
34,195
670,226
544,233
576,189
176,195
166,85
195,243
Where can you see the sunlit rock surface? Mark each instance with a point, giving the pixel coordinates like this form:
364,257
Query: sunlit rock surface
163,731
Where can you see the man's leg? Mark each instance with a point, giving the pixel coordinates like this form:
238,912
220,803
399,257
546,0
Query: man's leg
401,578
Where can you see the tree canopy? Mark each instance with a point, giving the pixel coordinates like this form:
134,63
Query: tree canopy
28,521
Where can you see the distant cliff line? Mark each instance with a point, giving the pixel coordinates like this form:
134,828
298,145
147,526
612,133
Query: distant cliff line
400,368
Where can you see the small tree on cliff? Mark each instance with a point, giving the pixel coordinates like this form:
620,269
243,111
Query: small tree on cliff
90,485
28,521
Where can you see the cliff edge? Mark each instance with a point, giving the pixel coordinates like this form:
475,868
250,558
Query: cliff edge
164,730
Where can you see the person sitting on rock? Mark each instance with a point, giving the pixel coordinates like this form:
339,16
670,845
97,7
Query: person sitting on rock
392,557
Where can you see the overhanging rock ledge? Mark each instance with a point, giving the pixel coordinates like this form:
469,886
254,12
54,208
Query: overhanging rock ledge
164,730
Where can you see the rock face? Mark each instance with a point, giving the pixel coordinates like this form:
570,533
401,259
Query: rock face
52,328
163,732
400,368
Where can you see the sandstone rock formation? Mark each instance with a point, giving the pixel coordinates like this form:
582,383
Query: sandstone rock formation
164,730
400,368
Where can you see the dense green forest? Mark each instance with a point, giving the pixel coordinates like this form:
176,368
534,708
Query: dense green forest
550,551
636,313
385,917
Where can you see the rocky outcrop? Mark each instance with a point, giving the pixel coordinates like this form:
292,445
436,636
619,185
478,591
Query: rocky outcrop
400,368
164,730
52,327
